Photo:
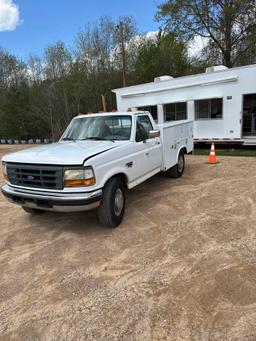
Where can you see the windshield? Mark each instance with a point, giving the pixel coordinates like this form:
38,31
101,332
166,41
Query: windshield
100,128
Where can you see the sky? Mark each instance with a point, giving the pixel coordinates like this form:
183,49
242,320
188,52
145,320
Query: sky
28,26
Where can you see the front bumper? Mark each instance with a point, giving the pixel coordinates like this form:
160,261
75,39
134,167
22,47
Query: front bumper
49,201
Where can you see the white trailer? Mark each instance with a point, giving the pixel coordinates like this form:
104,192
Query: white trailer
221,102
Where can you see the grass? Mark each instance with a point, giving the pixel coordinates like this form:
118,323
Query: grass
226,151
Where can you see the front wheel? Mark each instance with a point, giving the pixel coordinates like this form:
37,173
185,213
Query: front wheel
112,206
178,170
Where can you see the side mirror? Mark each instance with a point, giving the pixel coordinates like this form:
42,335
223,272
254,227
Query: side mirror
154,133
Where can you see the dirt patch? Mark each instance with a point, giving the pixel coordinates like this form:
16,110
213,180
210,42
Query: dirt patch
5,148
180,267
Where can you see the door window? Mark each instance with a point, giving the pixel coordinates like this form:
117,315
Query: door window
143,128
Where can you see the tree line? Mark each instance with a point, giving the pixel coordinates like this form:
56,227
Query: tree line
40,94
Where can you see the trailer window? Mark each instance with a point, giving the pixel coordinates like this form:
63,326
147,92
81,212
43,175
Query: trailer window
152,109
175,111
209,109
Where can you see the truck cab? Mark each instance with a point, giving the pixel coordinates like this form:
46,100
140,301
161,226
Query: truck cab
96,160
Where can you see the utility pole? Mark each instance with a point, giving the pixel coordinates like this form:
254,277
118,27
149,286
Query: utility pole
122,44
104,106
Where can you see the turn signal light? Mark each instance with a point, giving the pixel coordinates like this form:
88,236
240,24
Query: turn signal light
80,182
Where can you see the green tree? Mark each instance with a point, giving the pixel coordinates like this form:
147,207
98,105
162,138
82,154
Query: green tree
164,55
230,26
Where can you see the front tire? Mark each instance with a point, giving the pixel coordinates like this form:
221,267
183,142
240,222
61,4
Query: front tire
178,170
112,206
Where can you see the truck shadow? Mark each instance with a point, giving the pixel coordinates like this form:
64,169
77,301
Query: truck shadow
77,222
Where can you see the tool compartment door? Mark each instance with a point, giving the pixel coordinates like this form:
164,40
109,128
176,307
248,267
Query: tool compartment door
174,136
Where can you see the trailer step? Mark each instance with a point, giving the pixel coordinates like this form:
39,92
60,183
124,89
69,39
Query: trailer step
250,141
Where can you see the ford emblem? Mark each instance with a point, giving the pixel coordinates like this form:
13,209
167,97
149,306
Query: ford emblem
30,177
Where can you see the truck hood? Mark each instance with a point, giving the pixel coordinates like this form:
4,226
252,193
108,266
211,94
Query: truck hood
62,153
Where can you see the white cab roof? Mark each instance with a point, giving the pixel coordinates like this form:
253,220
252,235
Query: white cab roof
116,113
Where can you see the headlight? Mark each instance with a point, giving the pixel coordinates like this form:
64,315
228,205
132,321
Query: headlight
4,168
79,177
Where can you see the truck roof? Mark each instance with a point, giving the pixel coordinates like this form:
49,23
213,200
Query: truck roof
115,113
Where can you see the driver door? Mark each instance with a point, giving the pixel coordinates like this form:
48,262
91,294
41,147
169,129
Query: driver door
148,155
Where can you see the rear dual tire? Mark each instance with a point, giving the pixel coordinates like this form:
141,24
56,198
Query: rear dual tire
178,170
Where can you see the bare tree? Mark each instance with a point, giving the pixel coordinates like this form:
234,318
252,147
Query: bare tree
35,69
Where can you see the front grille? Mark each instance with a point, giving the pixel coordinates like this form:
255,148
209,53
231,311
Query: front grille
49,177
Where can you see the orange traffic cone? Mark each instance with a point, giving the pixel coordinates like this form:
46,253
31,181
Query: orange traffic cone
212,157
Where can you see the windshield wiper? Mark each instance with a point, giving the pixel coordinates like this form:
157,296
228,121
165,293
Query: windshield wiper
97,138
68,139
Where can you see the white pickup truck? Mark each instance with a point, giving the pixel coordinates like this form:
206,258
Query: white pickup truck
98,157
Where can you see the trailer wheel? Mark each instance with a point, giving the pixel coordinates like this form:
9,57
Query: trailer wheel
111,209
178,170
32,210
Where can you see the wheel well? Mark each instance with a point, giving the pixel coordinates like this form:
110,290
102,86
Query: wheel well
122,177
184,150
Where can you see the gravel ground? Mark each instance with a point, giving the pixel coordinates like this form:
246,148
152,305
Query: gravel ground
180,267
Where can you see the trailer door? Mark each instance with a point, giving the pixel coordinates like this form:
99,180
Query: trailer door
249,115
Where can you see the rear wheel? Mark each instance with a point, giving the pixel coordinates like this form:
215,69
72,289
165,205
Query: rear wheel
178,170
32,210
111,210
